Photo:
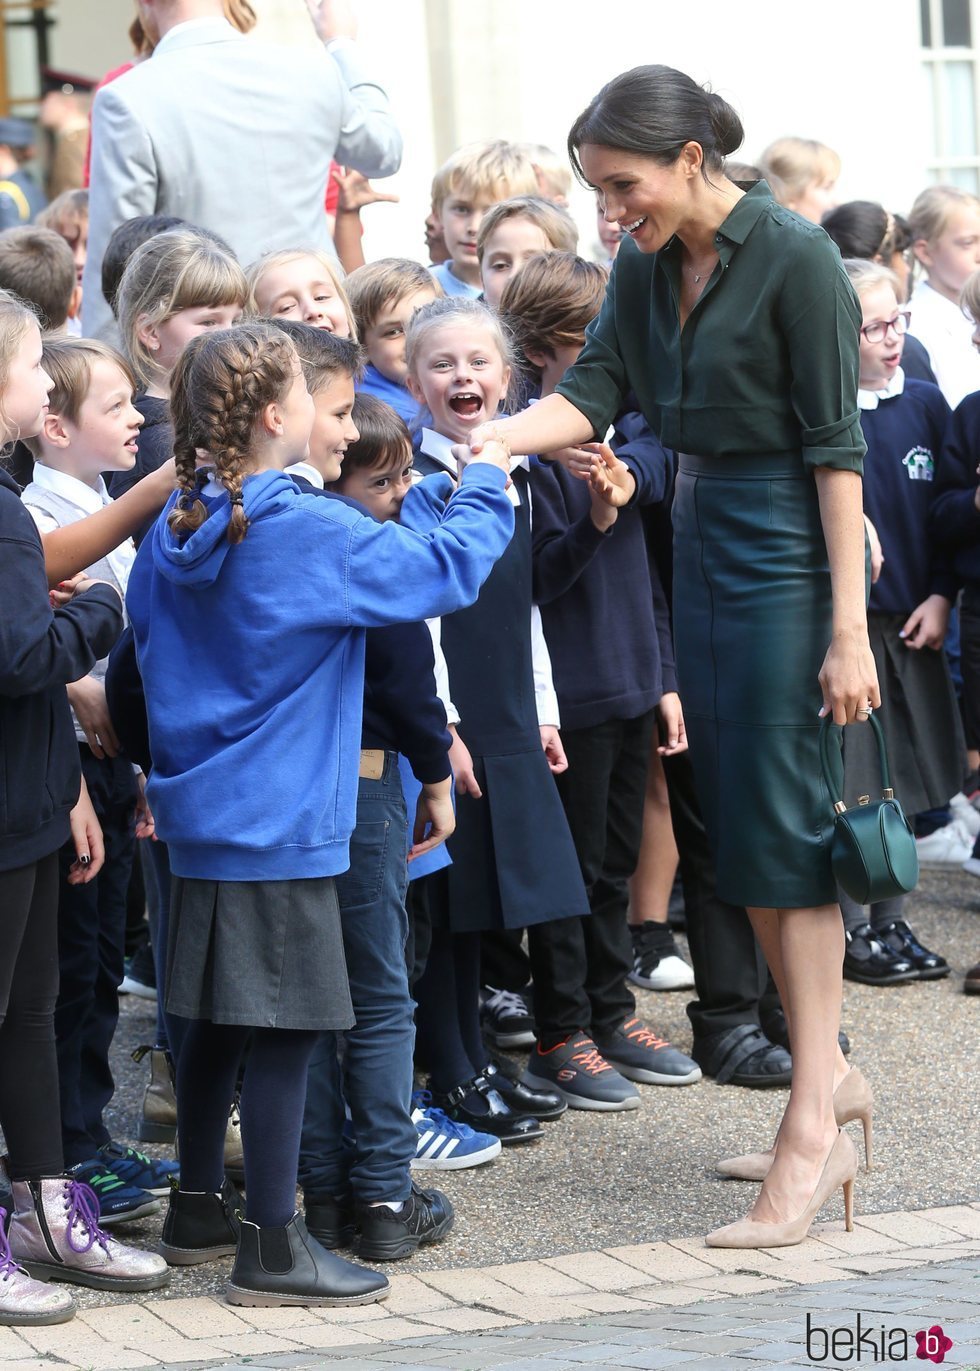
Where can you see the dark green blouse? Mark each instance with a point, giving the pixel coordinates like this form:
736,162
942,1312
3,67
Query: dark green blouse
767,361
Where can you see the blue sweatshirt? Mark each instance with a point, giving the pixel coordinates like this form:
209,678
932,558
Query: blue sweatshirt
399,397
904,434
954,517
604,612
254,668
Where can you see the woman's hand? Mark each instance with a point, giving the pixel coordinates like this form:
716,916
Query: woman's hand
877,556
610,478
86,836
87,699
926,626
462,765
671,717
553,750
488,433
849,679
434,812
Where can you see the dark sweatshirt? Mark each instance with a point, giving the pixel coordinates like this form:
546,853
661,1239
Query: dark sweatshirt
40,652
605,616
904,435
154,446
954,517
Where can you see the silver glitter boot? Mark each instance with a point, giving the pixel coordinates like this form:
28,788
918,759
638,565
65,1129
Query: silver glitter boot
24,1300
55,1234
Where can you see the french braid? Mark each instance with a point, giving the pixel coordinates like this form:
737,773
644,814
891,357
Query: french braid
221,384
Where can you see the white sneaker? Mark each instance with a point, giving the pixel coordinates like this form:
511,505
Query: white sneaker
670,973
972,866
965,815
949,846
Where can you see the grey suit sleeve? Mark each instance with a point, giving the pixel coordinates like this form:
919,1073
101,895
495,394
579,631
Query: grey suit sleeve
370,140
123,186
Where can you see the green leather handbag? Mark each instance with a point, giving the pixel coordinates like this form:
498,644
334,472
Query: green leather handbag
873,848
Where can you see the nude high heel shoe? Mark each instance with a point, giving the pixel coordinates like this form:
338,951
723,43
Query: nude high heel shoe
852,1100
839,1169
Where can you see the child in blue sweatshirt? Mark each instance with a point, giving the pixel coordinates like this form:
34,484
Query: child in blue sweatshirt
904,424
247,603
383,297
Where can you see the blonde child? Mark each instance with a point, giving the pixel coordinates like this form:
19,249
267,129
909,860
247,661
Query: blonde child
54,1227
505,873
254,852
553,173
516,230
383,297
945,227
175,286
804,175
464,188
303,284
67,215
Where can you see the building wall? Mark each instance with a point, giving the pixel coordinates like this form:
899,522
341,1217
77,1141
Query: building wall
842,72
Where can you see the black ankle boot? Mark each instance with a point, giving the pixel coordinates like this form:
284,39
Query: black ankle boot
277,1266
330,1219
201,1226
426,1216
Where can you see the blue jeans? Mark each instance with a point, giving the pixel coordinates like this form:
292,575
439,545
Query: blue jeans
375,1077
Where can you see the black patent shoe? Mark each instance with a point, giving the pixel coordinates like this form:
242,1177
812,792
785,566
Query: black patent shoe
201,1226
929,966
545,1105
286,1266
478,1104
776,1029
426,1216
870,961
330,1220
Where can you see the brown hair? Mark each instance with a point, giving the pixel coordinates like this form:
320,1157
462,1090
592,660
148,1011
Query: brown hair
237,12
67,214
934,207
69,362
176,270
970,297
16,318
37,264
381,432
551,301
222,382
372,288
555,223
322,355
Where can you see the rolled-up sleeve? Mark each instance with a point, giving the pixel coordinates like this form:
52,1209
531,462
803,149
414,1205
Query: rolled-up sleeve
820,318
597,384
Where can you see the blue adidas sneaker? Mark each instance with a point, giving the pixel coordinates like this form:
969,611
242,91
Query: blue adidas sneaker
444,1144
137,1169
118,1201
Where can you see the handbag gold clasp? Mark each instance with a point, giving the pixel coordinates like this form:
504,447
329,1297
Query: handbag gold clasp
864,799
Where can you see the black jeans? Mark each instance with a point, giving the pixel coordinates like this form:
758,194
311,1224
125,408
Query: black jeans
729,969
91,953
28,989
580,964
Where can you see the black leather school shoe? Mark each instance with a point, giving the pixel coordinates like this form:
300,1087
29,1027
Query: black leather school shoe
476,1102
929,966
869,960
545,1105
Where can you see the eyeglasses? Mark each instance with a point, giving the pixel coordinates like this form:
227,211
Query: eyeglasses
875,333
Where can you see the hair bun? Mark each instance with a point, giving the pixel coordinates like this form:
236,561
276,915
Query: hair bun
726,124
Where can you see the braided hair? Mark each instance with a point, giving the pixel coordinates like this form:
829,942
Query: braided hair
222,382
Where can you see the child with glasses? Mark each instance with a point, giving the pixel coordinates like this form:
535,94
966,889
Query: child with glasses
904,423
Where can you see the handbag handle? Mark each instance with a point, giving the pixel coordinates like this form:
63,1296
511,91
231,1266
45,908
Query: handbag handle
886,781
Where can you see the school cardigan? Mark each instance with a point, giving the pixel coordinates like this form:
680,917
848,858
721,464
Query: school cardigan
40,652
904,429
954,518
758,366
154,446
605,615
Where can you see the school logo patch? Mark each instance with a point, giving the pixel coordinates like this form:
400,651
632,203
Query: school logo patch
919,464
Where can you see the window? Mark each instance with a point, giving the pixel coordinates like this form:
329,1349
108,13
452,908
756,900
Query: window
948,30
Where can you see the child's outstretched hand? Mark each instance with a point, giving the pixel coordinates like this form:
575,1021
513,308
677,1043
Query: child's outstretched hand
492,451
356,191
610,478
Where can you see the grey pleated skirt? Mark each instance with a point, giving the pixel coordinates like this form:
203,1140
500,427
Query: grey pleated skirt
268,954
752,623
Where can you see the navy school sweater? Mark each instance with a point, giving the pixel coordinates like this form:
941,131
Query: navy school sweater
154,446
954,517
904,435
605,615
40,652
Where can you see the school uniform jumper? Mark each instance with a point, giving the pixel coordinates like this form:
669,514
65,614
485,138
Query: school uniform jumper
756,391
954,521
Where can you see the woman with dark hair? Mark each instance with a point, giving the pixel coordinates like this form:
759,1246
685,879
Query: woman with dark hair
733,322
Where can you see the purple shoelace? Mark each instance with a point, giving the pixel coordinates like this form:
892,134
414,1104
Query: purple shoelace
83,1210
8,1267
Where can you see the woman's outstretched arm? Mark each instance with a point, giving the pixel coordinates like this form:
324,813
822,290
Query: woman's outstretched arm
552,423
71,549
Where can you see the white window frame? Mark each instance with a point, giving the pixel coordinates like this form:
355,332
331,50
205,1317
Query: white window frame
941,164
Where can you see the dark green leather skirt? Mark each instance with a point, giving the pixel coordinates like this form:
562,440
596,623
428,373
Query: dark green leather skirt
752,623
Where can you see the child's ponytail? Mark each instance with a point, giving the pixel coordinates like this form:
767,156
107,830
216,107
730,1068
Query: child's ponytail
221,384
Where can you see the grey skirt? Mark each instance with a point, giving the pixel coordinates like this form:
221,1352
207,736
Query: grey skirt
269,954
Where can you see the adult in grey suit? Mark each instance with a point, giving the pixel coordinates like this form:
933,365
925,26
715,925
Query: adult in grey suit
232,134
